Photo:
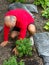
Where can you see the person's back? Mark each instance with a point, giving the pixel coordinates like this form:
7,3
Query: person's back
21,14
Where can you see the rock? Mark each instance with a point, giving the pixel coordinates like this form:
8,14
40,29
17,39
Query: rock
19,5
28,7
42,43
31,7
46,60
46,63
1,28
15,5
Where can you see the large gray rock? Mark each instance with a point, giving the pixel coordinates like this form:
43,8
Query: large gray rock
42,43
28,7
46,63
15,5
46,60
19,5
31,7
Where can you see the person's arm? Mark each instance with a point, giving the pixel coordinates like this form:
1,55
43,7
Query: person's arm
22,34
6,32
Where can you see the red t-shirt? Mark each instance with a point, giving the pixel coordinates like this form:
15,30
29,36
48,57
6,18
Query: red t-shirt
23,20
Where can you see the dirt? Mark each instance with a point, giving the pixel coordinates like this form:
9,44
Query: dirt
31,62
5,52
40,21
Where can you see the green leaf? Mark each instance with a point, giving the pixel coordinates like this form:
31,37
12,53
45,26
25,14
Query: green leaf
44,3
5,63
30,53
21,62
45,13
11,61
20,54
47,23
23,46
46,27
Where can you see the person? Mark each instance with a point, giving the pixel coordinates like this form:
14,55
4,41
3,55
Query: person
19,20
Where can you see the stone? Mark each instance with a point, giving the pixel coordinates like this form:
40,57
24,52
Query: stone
31,7
15,5
42,43
19,5
46,59
28,7
46,63
1,28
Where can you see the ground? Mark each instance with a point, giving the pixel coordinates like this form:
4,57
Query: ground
5,52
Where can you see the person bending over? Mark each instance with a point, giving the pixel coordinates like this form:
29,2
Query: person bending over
20,21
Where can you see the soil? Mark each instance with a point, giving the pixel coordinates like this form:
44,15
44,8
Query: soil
5,52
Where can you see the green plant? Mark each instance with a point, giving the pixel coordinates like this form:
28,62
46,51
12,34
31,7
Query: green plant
12,61
22,1
11,1
46,27
43,3
45,13
24,47
21,62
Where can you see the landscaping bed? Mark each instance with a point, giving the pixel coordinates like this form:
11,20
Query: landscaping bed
5,52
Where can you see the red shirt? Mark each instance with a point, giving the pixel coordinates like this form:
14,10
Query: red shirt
23,20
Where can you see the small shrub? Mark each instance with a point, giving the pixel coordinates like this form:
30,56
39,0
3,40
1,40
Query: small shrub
43,3
46,27
12,61
45,13
24,47
21,62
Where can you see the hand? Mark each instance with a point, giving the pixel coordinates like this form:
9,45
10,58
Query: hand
4,43
15,51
